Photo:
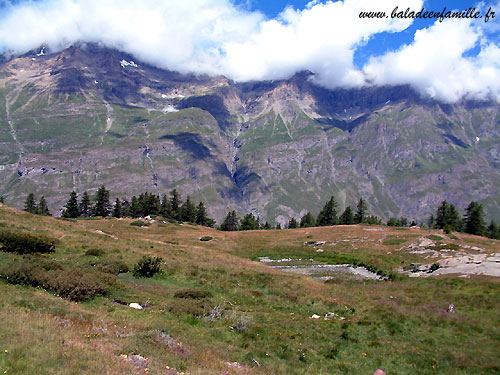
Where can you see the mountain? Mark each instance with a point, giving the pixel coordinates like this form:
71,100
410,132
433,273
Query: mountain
90,115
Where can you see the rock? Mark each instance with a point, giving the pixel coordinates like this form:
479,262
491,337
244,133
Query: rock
379,372
320,250
136,360
314,316
451,307
319,243
135,306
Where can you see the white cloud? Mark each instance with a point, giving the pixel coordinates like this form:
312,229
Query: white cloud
435,63
217,37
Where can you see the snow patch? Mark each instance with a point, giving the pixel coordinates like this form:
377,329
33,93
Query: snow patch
125,63
170,108
478,139
96,82
42,52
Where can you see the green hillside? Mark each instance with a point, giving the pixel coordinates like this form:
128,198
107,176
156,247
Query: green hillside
214,309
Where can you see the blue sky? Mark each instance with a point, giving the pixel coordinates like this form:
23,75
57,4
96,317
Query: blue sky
379,43
258,40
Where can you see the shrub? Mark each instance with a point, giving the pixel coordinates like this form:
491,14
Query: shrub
70,283
26,243
193,293
147,266
434,267
94,252
112,266
139,223
206,238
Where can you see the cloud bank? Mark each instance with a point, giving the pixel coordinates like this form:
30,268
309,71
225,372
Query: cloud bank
218,37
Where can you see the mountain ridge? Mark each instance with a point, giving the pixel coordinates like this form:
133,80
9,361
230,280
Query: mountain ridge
89,115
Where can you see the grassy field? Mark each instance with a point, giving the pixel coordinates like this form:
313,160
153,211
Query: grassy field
214,310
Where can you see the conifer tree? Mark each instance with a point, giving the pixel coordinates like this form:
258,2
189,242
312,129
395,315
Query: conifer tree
42,208
278,226
188,211
84,206
431,222
117,209
125,208
71,209
347,217
135,209
328,215
166,207
201,216
293,223
2,199
307,221
266,225
360,212
29,204
493,231
102,207
447,216
175,202
473,219
231,222
249,222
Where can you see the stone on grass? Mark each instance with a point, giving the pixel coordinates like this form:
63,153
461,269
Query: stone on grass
136,306
379,372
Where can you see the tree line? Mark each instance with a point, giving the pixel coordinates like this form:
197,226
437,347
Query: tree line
446,217
327,216
146,204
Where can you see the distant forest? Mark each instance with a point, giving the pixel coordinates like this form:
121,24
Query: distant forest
173,208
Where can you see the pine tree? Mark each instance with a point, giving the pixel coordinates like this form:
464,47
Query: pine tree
42,208
328,215
117,209
84,206
166,207
447,216
2,199
231,222
29,204
201,216
347,217
307,221
360,216
493,231
135,209
175,201
102,207
278,226
71,208
125,208
188,211
473,219
249,222
293,223
266,225
431,222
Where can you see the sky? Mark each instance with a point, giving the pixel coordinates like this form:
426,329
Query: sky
448,59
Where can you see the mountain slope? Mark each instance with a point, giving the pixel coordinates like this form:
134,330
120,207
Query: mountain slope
90,115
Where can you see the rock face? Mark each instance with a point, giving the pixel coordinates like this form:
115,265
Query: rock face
89,115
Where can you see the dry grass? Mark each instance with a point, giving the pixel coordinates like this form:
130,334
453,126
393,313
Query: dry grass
400,326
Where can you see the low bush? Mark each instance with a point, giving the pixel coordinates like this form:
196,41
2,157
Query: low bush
139,223
112,266
26,243
206,238
147,266
193,293
70,283
94,252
